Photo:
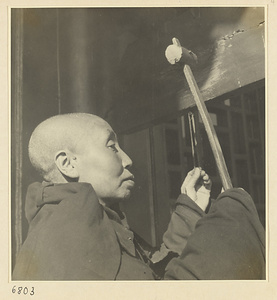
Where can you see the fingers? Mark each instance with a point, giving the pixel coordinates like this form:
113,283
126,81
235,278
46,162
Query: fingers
204,176
198,173
206,180
195,175
188,186
186,181
195,179
197,185
188,178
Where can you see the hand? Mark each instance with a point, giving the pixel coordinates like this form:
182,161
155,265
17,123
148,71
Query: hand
197,185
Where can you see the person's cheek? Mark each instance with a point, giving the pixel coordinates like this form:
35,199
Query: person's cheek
116,165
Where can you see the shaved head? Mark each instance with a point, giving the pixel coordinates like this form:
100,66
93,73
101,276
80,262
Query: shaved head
66,132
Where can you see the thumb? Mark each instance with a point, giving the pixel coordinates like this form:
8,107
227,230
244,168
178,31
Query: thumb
190,188
195,175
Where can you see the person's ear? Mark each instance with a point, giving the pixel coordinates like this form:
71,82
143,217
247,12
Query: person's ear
66,163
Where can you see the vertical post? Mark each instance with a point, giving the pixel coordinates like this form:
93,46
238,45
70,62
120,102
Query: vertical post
76,43
16,128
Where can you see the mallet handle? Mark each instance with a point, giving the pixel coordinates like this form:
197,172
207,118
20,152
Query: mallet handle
212,136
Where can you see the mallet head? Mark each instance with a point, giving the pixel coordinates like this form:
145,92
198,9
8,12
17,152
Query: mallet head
175,53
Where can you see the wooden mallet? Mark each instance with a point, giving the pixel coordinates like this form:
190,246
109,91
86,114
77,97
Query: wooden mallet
175,53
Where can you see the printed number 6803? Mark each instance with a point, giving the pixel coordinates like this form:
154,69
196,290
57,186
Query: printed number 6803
23,290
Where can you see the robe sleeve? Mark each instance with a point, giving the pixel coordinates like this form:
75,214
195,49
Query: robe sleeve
181,225
228,243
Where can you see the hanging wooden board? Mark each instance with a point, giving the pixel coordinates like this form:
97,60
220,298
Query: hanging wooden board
229,43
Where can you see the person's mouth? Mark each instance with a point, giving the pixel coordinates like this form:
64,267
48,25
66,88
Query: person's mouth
130,180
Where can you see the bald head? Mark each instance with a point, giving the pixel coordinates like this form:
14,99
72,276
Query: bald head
62,132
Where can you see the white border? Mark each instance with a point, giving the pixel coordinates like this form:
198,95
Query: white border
142,290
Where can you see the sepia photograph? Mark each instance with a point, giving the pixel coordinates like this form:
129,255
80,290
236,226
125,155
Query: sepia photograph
138,147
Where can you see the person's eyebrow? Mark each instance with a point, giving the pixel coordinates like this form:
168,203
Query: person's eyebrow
111,135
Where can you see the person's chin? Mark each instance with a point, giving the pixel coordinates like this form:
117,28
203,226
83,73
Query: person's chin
126,195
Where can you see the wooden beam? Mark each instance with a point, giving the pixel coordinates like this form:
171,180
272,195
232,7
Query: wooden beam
231,55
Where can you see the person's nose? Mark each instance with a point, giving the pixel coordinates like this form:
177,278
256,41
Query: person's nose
126,160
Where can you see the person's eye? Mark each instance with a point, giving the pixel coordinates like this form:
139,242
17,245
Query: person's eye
112,146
